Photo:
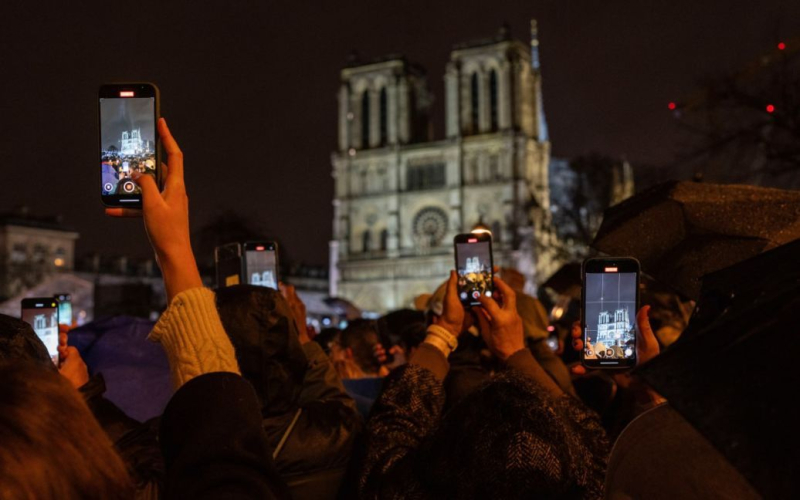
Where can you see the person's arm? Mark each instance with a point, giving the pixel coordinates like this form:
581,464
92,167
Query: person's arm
211,434
322,383
410,407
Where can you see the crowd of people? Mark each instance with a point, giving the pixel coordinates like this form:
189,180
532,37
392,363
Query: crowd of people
443,402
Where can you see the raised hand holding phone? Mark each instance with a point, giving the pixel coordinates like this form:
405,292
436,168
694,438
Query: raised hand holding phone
501,325
166,219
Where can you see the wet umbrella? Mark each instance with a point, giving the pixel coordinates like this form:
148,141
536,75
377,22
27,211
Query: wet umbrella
731,373
681,231
343,307
566,281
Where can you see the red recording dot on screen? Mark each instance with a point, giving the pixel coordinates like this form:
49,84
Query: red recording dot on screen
781,46
260,249
672,106
770,108
472,240
126,93
611,269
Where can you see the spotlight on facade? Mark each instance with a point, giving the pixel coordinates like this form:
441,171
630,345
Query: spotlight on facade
59,262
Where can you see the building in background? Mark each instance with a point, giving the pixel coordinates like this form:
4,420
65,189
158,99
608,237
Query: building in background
401,197
32,249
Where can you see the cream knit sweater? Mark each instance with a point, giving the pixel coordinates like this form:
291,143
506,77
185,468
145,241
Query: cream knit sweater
192,335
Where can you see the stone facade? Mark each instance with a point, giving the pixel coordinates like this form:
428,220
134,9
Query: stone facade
31,249
400,197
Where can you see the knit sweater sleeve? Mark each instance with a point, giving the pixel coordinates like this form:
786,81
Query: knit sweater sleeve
192,335
406,413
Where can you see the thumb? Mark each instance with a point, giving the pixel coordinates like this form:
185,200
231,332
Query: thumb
646,335
150,193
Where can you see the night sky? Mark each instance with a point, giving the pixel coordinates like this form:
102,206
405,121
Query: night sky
249,90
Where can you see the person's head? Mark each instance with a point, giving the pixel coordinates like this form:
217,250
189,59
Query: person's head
52,447
262,329
18,342
358,341
327,338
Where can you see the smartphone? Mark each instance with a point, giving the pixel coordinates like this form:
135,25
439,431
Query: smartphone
128,141
42,314
64,309
261,263
474,265
228,262
609,302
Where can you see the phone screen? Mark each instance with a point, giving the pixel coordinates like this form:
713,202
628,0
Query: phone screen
64,310
127,142
610,317
42,315
261,265
228,261
474,267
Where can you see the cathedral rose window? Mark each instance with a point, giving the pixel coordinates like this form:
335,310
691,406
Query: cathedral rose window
430,226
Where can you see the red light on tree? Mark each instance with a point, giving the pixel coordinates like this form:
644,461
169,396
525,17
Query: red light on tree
770,108
781,46
672,106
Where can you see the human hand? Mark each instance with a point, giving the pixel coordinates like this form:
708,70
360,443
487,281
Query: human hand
646,344
72,366
452,317
500,324
397,353
166,219
298,311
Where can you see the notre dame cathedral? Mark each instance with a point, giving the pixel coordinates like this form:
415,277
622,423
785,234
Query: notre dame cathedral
400,197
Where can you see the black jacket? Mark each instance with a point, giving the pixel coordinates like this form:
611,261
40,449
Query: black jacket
308,418
213,444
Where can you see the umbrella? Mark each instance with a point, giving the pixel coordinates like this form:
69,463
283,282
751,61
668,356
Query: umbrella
730,375
681,231
343,307
566,281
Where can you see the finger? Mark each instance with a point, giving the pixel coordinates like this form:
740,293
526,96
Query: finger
123,212
62,351
575,331
577,344
62,340
509,296
578,369
490,306
174,154
150,193
647,339
452,287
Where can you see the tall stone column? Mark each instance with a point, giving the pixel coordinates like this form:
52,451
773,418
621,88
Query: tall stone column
504,98
391,96
404,114
344,122
452,97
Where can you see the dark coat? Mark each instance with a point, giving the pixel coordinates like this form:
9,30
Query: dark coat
508,439
310,421
213,444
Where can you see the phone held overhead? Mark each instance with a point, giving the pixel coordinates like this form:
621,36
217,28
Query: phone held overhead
42,314
474,265
128,114
609,303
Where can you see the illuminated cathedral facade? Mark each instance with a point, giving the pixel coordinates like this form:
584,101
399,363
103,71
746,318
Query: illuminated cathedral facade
401,197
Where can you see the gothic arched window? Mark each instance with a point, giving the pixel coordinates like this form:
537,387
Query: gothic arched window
497,231
493,99
365,119
475,97
384,239
384,117
366,242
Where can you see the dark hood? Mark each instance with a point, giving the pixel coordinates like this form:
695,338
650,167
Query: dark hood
18,342
259,324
